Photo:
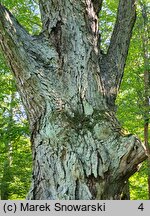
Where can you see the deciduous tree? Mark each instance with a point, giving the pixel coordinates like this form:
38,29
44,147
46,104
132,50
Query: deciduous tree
68,88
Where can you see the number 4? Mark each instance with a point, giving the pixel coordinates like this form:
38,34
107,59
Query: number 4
141,207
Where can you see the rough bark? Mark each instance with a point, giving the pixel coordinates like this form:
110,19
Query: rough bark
79,151
113,63
126,192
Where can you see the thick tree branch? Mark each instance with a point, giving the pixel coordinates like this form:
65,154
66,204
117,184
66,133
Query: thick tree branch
26,57
114,62
20,48
14,40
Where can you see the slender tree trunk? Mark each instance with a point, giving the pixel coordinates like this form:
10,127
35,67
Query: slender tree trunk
146,138
146,124
6,179
7,170
146,119
145,40
69,89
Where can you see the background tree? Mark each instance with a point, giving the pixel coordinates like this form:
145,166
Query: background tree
145,41
15,156
133,98
69,88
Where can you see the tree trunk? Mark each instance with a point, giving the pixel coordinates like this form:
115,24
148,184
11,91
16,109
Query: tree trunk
7,166
126,191
68,89
145,42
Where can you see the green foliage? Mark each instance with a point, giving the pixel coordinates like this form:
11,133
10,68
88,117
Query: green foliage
138,184
107,19
27,12
15,154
